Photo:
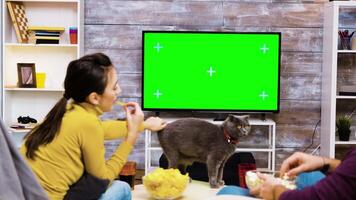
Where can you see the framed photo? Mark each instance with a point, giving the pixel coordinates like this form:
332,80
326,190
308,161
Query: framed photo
27,75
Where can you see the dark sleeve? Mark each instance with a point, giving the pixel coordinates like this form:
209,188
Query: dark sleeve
341,184
87,187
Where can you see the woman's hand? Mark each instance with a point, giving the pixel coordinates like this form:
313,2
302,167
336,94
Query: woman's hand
270,189
301,162
154,124
134,118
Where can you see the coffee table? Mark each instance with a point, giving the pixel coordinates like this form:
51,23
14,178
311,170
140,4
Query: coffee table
195,190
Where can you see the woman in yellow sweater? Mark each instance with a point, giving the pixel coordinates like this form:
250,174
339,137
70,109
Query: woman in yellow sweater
69,145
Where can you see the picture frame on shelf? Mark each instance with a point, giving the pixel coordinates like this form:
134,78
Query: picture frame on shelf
26,75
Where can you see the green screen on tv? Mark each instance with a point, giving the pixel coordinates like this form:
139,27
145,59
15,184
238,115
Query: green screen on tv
218,71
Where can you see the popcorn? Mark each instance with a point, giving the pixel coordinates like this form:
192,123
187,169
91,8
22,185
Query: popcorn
165,183
252,181
286,182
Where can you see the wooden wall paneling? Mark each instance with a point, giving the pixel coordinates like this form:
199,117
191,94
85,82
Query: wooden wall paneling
130,85
117,36
297,136
129,37
300,87
301,39
154,12
301,63
283,153
273,14
125,61
297,112
300,1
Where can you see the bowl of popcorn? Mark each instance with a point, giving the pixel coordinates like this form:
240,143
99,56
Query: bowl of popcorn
165,183
253,181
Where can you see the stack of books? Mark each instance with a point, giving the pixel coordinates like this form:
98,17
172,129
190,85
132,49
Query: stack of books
44,34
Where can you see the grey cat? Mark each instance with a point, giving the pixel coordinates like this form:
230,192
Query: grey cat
188,140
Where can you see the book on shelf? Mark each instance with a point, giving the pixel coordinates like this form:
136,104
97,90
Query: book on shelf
44,33
46,28
44,40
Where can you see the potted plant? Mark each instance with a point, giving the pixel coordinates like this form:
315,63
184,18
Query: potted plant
343,124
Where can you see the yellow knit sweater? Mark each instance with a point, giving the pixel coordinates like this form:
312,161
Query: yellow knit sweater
78,146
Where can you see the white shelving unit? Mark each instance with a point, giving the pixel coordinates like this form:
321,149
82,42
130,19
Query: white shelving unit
51,59
330,94
253,122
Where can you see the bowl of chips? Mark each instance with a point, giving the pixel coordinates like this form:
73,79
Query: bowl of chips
253,181
165,183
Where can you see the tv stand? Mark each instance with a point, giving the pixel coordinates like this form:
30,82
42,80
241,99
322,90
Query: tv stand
220,117
263,117
153,150
157,114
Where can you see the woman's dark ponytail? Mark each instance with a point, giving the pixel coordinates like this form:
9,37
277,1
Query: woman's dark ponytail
50,125
84,76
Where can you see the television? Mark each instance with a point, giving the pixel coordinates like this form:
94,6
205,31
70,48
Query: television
211,71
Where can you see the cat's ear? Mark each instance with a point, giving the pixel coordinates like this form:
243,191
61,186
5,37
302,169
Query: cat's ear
233,118
241,118
245,117
230,118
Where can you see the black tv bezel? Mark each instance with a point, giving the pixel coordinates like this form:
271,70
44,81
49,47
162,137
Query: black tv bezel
210,110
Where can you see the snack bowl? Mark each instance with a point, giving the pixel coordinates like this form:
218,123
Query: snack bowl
253,181
165,183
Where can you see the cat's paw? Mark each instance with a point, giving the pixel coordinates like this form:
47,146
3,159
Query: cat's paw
214,185
221,182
